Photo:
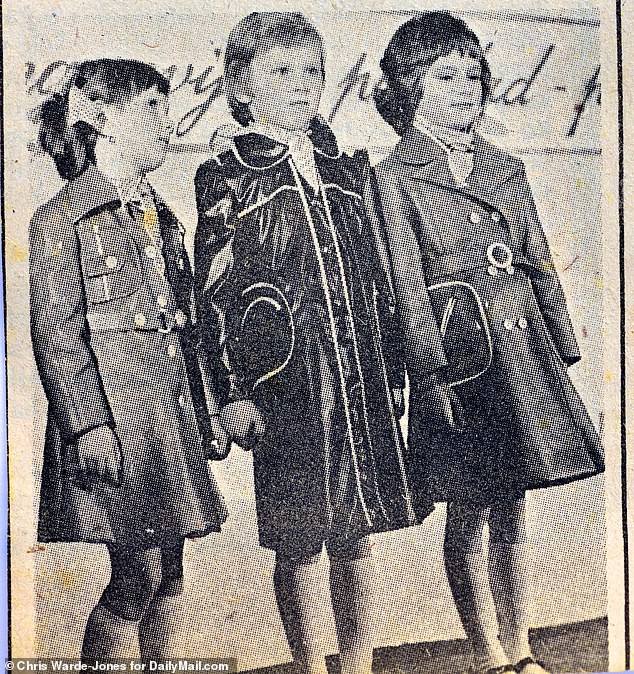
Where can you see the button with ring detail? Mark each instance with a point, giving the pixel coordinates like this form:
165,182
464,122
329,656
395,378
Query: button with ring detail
475,218
509,323
522,323
501,257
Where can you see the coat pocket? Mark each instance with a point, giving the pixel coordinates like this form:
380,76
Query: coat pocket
110,264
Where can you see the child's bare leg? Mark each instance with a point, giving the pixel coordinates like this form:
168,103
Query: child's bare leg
351,586
164,616
510,578
296,582
468,577
112,631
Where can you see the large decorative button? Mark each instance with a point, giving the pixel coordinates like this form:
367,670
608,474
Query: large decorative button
140,320
492,271
495,216
161,300
171,350
509,323
180,318
522,323
475,218
150,251
111,261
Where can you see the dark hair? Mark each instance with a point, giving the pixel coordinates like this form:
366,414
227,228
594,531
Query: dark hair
113,81
260,31
414,47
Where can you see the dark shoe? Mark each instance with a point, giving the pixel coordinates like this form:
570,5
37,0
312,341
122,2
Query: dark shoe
525,662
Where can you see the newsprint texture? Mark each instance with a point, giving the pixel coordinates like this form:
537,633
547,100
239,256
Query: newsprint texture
316,332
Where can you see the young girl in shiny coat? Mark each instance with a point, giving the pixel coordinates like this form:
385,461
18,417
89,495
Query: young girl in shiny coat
294,304
501,416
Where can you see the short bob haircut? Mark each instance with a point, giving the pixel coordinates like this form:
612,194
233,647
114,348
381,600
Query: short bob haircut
113,81
413,48
257,32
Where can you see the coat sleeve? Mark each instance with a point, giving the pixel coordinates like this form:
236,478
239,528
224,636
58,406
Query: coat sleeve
546,285
213,263
423,348
65,360
391,336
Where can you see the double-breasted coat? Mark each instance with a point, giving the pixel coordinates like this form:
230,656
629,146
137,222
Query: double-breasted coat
526,424
330,464
115,345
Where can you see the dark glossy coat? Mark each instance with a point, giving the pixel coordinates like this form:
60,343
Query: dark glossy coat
106,356
528,428
334,382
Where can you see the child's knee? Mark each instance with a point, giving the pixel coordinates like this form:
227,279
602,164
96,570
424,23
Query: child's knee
464,528
135,578
507,523
130,599
343,550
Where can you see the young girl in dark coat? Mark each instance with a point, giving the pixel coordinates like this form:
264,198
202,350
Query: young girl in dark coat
502,416
293,300
116,348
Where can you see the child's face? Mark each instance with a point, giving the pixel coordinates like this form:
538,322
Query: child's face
141,129
286,84
452,92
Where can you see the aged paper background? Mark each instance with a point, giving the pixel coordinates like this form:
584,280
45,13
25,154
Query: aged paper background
545,109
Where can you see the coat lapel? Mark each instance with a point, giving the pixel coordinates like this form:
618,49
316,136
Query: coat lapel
424,159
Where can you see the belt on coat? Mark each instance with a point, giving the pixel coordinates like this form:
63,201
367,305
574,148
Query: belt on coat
453,263
126,322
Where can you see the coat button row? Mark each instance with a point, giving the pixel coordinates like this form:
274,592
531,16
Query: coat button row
476,218
510,323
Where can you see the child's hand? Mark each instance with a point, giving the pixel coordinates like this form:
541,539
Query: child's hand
220,446
99,456
244,423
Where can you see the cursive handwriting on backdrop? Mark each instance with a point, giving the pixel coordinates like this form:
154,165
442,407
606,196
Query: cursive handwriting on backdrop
205,86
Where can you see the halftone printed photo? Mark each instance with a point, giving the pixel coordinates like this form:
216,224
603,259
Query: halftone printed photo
317,337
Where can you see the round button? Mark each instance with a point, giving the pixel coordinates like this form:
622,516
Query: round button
492,271
171,350
140,320
181,400
510,270
180,318
150,251
495,216
522,323
509,323
475,218
161,300
111,262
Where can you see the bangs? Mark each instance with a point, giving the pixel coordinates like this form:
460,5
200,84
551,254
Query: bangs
117,81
